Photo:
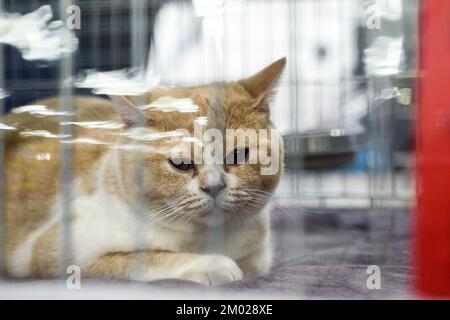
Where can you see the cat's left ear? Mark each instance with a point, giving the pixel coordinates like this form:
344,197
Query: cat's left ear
262,84
131,115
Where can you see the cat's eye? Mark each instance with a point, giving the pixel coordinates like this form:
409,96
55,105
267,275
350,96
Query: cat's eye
237,156
182,164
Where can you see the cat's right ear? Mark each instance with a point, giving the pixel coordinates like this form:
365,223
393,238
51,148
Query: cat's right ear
131,115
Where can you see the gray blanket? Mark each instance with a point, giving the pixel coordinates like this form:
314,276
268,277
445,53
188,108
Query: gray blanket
326,255
318,255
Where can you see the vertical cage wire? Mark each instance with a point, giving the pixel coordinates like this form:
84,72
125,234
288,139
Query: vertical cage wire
66,151
138,53
139,40
215,237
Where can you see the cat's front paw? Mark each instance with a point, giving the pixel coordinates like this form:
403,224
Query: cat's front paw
213,270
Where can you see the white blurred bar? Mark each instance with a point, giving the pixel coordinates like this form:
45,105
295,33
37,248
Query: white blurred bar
139,40
66,151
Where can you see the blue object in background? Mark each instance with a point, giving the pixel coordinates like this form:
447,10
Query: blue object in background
370,159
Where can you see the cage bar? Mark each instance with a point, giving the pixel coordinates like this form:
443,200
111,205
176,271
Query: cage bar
66,152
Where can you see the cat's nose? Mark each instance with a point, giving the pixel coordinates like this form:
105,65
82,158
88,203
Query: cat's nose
213,189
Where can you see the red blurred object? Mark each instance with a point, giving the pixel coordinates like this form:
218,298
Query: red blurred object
432,242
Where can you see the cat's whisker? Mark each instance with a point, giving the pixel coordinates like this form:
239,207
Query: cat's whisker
160,211
259,195
242,211
163,213
260,200
257,191
175,214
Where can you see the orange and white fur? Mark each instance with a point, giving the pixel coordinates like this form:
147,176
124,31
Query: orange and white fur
133,214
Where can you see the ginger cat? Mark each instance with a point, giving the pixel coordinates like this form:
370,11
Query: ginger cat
135,213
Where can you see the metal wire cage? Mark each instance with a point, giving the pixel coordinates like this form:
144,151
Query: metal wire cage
344,107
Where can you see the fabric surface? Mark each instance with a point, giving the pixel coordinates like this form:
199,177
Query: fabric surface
318,255
326,255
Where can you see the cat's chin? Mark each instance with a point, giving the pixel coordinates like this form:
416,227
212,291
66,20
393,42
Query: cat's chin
214,220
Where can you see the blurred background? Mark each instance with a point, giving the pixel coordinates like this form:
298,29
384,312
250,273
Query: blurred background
344,105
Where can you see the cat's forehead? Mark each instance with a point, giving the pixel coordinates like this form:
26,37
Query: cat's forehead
180,108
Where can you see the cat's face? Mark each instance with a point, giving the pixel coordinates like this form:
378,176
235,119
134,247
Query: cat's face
176,169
